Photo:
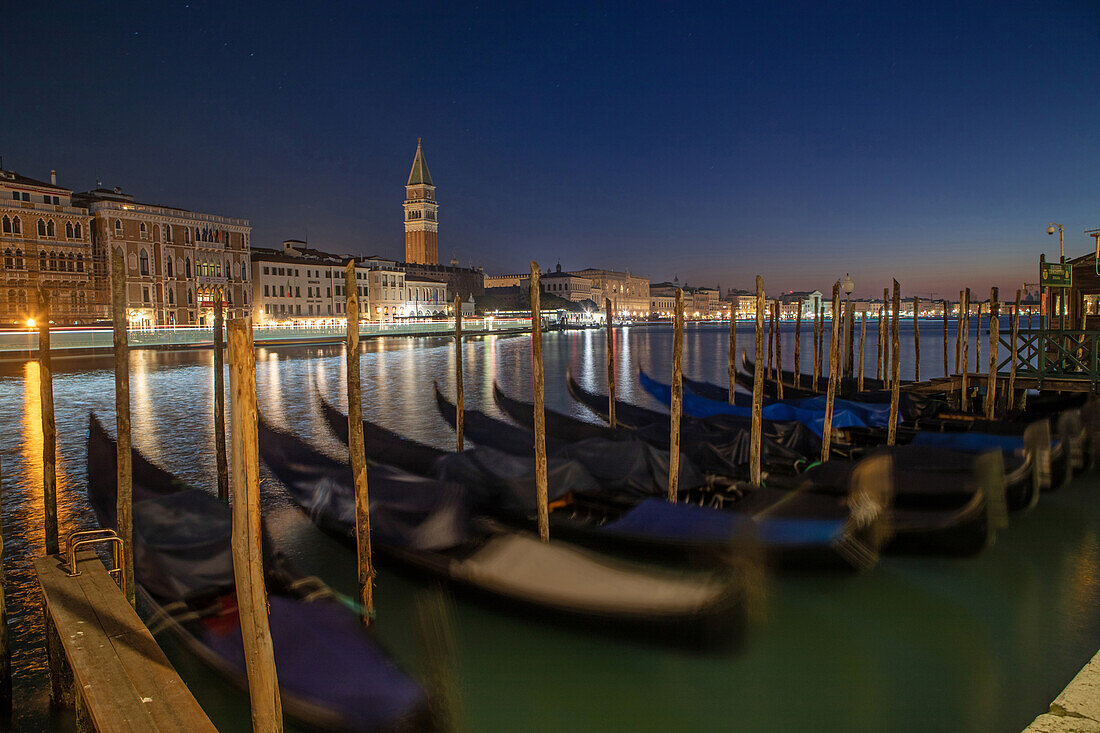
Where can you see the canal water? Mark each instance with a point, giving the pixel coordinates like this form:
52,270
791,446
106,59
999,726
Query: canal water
979,644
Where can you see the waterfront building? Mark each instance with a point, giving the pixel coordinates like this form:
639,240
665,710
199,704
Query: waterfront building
421,212
426,296
811,301
629,294
177,261
571,286
46,241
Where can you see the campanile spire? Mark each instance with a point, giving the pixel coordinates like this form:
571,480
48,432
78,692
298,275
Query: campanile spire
421,224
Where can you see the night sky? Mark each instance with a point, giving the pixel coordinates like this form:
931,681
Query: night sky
929,141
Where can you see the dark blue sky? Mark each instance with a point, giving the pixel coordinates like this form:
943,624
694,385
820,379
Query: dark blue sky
930,141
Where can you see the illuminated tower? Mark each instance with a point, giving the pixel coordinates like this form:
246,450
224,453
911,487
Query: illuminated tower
421,226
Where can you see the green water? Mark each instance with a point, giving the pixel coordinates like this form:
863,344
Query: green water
979,644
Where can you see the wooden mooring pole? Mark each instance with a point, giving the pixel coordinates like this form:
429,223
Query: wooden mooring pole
964,385
677,398
849,338
886,339
817,345
611,366
541,479
356,449
248,556
219,400
124,501
757,389
460,398
916,337
959,333
834,375
862,339
895,366
732,371
778,351
945,370
798,347
978,341
49,428
881,342
771,342
994,342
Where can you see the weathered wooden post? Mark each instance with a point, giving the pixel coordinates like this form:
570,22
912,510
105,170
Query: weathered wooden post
798,347
849,338
965,342
732,372
771,342
676,404
881,342
541,478
611,367
916,336
945,370
49,428
5,648
820,345
1013,351
862,339
778,352
994,342
817,345
959,333
124,501
895,365
356,448
757,390
886,339
219,401
978,341
834,375
248,555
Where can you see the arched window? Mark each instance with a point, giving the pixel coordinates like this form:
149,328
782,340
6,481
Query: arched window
69,229
187,235
142,228
227,268
51,231
168,266
17,225
41,261
143,262
19,264
9,261
41,228
198,235
167,232
78,230
229,297
79,262
190,298
171,297
7,225
118,226
70,263
245,297
187,268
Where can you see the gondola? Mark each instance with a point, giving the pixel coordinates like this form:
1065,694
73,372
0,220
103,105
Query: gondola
427,527
332,674
633,517
955,523
1027,458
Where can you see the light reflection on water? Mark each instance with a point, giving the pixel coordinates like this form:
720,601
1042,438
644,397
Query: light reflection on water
977,645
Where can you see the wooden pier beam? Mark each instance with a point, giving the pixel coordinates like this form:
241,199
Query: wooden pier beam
757,389
964,396
124,500
895,366
834,375
460,398
356,449
611,366
798,347
916,336
677,401
541,479
862,340
778,351
994,342
248,556
732,371
49,427
1010,402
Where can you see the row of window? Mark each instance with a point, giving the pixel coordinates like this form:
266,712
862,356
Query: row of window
387,280
77,298
46,198
47,262
46,227
205,296
415,214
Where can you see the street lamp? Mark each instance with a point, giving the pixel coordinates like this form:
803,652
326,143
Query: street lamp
1061,259
850,326
1061,247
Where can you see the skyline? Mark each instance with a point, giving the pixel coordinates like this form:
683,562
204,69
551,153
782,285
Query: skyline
798,142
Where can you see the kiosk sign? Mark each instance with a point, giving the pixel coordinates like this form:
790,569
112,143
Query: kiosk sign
1054,274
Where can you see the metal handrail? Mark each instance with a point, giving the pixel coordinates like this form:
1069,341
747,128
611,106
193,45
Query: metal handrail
95,537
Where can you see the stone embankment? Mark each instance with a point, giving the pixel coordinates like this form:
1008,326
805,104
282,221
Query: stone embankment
1077,709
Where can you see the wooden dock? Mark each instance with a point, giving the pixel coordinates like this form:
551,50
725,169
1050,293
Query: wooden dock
121,679
974,379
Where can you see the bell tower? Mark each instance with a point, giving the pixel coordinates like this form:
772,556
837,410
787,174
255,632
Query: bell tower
421,225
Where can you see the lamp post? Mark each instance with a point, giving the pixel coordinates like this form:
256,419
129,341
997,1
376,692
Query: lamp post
850,326
1061,260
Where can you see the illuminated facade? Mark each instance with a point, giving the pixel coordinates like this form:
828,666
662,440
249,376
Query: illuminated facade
421,214
177,261
45,240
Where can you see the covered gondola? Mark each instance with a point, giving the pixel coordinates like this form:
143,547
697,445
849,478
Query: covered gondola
333,675
428,527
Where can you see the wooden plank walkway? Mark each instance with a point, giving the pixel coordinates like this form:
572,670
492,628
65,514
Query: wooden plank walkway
953,383
122,680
